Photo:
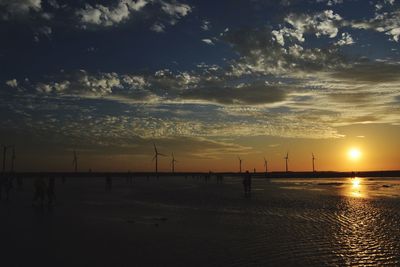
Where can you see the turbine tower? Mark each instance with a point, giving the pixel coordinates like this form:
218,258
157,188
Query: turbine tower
266,165
156,154
313,162
240,165
173,163
286,160
75,162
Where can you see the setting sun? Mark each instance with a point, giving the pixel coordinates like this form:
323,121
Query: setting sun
354,154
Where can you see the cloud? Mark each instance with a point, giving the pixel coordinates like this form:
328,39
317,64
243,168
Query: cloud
207,41
369,72
56,87
109,15
158,27
346,39
45,31
54,4
17,8
322,23
260,53
205,25
12,83
385,22
161,12
253,94
325,23
176,9
115,107
330,2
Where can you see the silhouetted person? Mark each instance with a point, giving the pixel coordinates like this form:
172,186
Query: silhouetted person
50,190
247,184
244,182
1,184
40,190
108,183
4,185
19,182
219,178
8,185
129,178
207,176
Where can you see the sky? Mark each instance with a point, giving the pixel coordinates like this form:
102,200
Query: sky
209,81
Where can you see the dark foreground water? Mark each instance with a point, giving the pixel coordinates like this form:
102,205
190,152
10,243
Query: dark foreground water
178,222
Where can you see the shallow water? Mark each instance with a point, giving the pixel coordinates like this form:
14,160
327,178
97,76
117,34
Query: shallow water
179,222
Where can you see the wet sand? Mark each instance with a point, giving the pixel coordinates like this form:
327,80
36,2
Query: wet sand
177,222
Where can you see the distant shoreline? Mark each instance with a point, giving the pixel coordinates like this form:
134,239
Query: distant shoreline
317,174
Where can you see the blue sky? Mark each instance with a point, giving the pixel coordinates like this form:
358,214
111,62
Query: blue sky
111,77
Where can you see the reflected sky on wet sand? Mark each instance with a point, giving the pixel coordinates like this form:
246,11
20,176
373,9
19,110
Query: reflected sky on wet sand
286,222
359,223
350,187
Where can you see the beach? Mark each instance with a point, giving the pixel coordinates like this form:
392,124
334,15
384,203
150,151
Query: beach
178,221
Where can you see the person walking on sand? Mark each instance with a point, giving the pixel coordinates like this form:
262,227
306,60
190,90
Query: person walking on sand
1,184
8,185
50,190
40,189
108,183
219,178
19,182
244,182
247,184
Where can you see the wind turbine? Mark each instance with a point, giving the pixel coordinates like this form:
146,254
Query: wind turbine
173,163
313,162
266,165
156,154
75,162
286,160
240,164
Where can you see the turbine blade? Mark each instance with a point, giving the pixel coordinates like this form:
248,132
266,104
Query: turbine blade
155,148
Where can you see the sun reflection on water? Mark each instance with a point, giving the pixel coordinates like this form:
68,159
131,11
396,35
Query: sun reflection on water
356,182
356,188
